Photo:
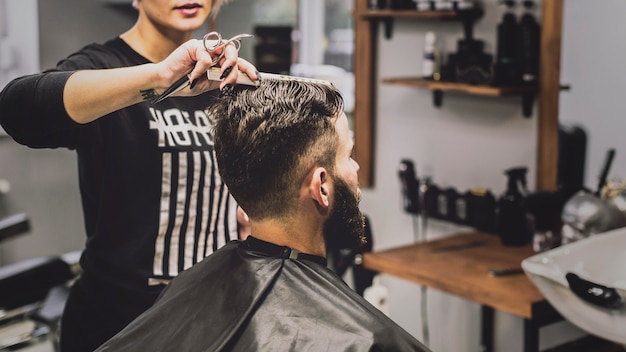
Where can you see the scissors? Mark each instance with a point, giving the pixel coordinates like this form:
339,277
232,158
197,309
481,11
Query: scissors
211,41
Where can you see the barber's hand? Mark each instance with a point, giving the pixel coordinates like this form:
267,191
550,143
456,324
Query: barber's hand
194,60
230,65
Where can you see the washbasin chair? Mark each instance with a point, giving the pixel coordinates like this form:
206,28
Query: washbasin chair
585,281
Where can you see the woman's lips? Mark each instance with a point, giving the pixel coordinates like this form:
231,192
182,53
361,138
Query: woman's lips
189,9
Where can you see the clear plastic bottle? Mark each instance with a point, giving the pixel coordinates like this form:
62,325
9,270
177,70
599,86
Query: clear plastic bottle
431,60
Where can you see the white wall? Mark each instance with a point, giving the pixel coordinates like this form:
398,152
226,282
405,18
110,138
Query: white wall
68,25
594,53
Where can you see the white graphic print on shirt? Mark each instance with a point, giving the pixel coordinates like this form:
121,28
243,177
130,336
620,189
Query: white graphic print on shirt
177,129
194,201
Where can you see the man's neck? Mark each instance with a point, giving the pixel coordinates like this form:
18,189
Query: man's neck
302,236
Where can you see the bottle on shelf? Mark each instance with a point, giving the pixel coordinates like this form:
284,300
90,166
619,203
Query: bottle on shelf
373,4
481,209
431,58
529,36
403,5
513,226
506,70
424,5
450,196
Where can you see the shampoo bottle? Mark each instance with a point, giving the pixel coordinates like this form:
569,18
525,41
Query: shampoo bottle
506,68
528,45
431,60
512,224
481,209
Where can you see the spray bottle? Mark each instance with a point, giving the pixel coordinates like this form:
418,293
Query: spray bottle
513,226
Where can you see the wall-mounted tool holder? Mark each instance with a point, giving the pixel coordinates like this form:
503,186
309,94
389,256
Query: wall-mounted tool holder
476,207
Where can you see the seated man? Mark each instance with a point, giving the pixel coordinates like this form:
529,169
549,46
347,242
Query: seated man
284,151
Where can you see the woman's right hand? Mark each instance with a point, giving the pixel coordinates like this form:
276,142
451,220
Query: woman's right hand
193,59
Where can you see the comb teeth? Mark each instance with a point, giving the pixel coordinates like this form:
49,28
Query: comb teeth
265,75
214,74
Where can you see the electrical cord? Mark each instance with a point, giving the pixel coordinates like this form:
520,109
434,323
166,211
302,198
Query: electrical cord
419,230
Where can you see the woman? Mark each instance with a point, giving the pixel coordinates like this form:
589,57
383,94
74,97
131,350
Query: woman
153,202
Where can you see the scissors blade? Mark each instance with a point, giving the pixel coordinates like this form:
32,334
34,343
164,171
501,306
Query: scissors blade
179,85
238,37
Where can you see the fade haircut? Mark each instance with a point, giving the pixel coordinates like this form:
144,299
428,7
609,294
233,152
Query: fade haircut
268,138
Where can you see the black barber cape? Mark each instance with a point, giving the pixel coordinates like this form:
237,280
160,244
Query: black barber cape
256,296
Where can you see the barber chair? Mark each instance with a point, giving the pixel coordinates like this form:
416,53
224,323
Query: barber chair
32,297
32,292
342,259
13,225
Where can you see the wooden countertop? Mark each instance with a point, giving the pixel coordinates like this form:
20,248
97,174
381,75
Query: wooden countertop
460,265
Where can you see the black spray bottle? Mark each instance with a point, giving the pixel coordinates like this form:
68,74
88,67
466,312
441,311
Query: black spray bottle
512,224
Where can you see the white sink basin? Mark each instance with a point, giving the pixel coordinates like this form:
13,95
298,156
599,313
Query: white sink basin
600,259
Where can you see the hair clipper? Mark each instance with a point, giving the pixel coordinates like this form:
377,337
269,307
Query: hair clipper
410,186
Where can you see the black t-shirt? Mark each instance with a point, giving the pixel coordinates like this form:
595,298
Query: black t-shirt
153,201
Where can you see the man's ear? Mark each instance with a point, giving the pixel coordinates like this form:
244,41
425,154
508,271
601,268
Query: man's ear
320,187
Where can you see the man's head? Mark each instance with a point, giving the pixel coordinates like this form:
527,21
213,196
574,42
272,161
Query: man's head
273,140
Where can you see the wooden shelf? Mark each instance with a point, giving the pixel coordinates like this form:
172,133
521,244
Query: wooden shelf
387,16
436,15
439,87
458,87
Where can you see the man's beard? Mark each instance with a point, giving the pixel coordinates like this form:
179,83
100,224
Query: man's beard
345,228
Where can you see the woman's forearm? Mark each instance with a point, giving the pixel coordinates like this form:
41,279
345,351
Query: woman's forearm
91,94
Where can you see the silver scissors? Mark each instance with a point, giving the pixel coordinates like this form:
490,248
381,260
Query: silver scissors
212,41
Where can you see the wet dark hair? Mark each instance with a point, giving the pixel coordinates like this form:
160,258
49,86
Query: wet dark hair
268,138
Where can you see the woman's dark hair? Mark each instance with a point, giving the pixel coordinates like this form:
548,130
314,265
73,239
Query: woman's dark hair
268,138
